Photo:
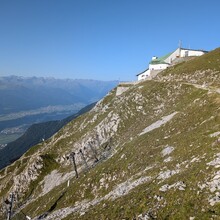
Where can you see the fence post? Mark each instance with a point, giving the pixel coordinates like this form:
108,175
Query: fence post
10,205
72,155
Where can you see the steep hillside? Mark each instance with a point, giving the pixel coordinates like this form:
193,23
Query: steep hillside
34,135
152,152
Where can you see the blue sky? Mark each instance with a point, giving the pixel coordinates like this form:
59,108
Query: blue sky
100,39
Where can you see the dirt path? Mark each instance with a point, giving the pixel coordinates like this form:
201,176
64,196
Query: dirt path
204,87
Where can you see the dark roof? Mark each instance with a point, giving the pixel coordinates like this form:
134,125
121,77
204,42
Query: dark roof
205,51
142,72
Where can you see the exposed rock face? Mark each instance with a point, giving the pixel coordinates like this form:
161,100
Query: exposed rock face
121,90
158,123
179,185
166,151
151,152
29,174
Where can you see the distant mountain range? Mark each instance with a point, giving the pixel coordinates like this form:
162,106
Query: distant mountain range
29,100
28,93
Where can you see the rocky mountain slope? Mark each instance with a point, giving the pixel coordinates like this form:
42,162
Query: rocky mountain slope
35,134
152,152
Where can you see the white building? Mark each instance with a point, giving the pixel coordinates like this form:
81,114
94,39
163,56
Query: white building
158,64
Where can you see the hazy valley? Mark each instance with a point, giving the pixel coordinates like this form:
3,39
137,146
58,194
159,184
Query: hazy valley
25,101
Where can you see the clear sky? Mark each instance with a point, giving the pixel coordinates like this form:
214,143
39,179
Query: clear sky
100,39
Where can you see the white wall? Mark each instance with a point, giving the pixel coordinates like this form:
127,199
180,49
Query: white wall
144,75
191,53
121,90
173,56
182,53
158,66
177,53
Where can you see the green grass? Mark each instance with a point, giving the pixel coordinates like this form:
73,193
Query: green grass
204,69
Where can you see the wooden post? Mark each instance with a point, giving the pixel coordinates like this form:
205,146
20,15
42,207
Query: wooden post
72,155
84,159
97,138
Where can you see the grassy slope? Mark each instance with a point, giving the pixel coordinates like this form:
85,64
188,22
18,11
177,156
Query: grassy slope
137,156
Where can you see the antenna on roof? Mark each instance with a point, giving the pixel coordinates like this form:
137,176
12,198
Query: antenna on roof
180,44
